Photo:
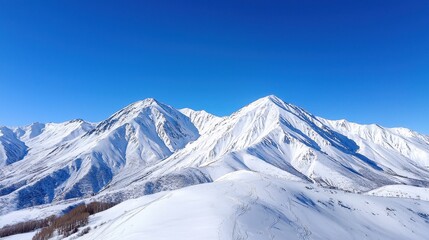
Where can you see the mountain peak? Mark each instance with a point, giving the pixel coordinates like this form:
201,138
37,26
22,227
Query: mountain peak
271,102
144,103
190,111
137,107
129,113
271,99
165,124
149,101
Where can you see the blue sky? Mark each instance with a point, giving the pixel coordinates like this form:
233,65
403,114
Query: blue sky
366,61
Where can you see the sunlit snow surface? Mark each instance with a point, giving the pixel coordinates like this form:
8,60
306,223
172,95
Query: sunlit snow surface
246,205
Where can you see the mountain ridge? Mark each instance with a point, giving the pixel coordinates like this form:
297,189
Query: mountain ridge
146,146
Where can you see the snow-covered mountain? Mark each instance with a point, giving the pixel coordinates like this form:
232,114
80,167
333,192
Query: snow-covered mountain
76,158
149,147
277,138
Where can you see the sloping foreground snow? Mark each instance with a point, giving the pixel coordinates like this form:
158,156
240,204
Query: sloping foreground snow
248,205
23,236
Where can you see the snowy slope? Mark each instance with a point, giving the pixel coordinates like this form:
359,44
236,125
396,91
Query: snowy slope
401,191
249,205
246,205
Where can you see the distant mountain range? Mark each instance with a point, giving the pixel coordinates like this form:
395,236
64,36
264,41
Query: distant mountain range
149,147
148,141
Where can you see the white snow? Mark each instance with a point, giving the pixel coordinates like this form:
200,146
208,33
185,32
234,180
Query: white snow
22,236
202,120
401,191
252,155
246,205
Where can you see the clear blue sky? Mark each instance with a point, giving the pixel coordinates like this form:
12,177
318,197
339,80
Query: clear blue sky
366,61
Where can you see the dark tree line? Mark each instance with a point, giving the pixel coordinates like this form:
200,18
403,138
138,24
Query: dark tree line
24,227
71,222
66,224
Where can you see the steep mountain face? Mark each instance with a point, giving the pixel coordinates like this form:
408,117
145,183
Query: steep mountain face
149,147
202,120
393,147
11,148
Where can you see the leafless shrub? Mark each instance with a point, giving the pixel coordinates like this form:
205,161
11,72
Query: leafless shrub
24,227
84,231
70,223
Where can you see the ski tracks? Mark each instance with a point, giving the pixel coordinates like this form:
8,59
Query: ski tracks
302,230
120,220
